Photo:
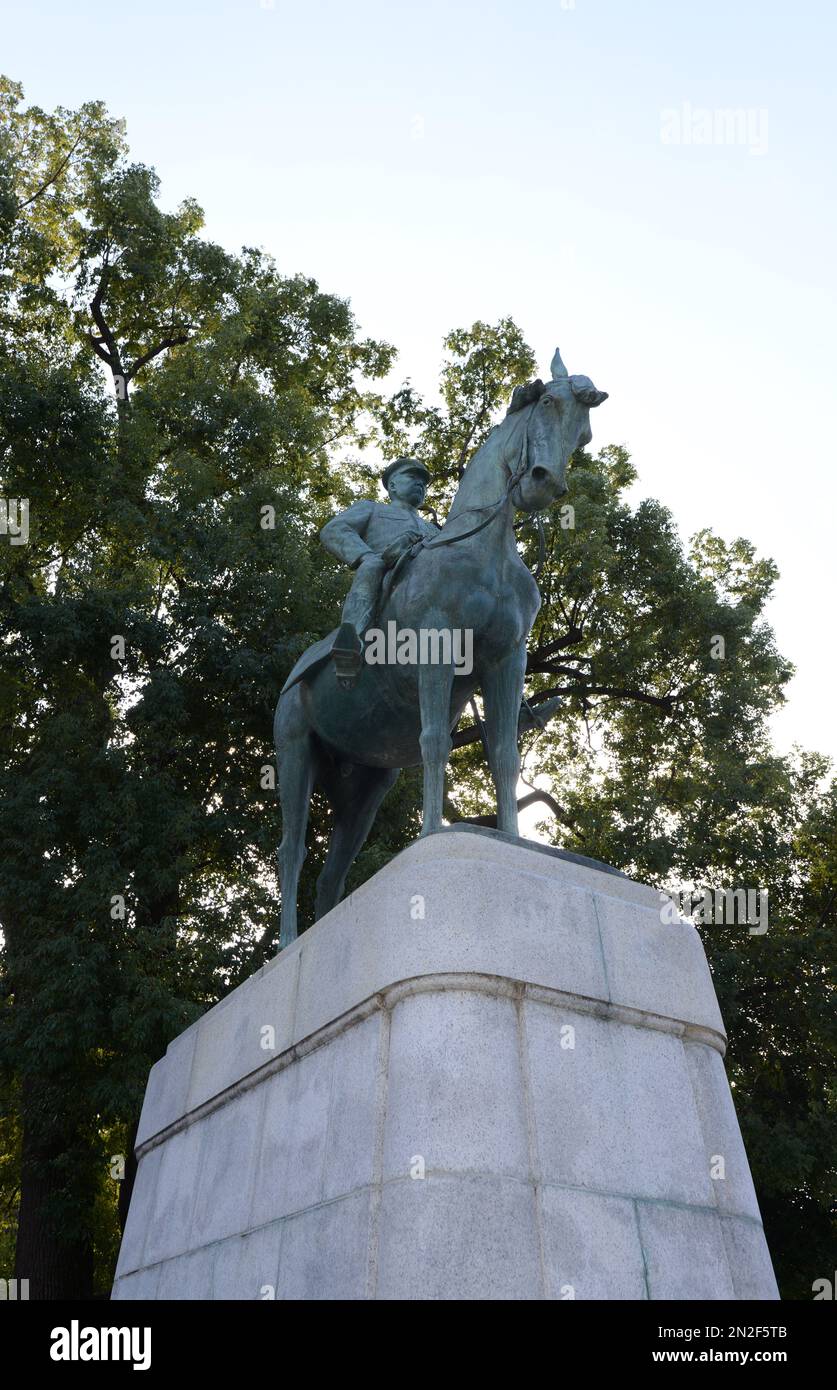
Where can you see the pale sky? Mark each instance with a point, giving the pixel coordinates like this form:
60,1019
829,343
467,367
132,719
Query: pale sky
569,164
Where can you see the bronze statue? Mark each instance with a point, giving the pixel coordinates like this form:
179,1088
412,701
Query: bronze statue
353,739
371,537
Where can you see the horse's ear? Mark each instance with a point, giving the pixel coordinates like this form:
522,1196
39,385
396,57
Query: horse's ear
557,368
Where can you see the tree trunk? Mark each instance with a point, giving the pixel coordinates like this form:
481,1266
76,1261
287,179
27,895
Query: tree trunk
126,1187
55,1255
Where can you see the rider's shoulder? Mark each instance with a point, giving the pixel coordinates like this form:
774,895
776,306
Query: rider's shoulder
359,510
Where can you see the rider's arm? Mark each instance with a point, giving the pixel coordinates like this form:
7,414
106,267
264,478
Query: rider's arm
343,535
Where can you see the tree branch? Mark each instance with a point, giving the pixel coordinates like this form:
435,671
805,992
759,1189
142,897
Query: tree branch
112,355
56,173
523,802
550,706
471,734
149,356
548,668
663,702
569,639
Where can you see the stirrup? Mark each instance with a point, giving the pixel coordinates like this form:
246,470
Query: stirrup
347,655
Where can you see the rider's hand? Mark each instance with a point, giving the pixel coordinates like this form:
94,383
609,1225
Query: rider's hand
399,546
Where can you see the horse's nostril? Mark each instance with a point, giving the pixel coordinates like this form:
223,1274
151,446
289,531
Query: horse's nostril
540,475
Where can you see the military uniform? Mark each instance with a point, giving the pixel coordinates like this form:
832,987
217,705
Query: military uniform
369,537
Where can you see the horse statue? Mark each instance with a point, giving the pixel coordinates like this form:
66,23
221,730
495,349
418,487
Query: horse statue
352,743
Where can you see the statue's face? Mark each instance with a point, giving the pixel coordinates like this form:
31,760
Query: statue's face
407,486
559,423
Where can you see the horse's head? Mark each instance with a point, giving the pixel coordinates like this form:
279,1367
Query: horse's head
557,423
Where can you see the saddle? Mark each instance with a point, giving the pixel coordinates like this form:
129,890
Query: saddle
318,654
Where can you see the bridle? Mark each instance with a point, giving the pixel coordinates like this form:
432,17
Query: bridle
493,508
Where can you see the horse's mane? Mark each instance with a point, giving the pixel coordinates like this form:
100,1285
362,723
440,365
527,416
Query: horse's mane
521,397
582,388
525,395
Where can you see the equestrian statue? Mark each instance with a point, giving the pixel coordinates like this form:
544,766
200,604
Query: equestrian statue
349,726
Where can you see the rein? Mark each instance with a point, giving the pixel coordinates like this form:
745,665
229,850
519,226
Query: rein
493,508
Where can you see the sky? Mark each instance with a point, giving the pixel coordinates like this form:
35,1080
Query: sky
648,185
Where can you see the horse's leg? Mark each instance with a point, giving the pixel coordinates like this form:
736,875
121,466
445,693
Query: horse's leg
295,757
355,798
435,685
502,691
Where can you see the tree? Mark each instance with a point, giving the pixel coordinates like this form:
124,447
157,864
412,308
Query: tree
147,621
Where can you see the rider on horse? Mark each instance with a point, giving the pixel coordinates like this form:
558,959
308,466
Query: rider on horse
371,537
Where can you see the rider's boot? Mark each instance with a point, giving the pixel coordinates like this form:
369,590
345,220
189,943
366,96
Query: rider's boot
347,655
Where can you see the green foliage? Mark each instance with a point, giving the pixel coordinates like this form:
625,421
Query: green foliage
9,1176
137,882
182,421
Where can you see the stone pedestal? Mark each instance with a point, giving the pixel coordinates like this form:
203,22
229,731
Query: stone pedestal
492,1072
